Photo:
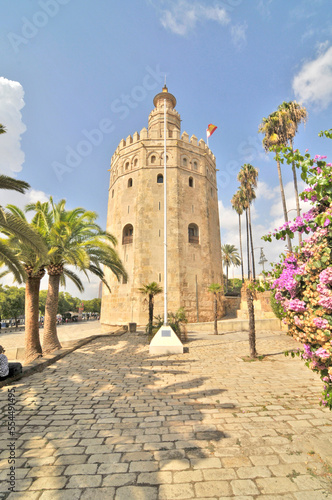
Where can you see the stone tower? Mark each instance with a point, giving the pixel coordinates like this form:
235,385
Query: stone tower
136,217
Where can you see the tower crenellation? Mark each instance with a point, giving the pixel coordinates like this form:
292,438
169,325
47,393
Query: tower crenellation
135,217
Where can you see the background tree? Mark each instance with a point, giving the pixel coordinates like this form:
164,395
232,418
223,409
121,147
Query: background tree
230,257
151,290
248,179
93,305
273,129
294,114
215,288
237,205
12,302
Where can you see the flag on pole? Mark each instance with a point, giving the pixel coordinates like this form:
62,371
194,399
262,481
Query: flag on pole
211,128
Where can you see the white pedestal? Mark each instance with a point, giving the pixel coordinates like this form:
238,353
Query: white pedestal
166,342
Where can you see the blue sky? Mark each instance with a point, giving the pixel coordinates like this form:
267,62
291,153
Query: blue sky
78,76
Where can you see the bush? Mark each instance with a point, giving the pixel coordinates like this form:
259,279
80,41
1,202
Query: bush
277,308
176,321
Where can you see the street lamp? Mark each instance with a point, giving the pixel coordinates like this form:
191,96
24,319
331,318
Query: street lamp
262,258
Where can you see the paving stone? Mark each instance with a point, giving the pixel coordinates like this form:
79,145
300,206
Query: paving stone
213,489
308,483
276,485
143,466
312,495
47,470
174,464
24,495
137,493
244,487
187,476
176,491
80,469
98,494
253,472
219,474
105,458
61,495
205,463
264,460
82,481
49,483
154,478
119,479
136,456
235,461
70,459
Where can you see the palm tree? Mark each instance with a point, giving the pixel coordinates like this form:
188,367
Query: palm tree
2,129
273,127
294,115
73,239
248,178
230,257
151,290
238,207
33,266
215,288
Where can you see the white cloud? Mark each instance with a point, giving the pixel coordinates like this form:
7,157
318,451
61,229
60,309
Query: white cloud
313,83
11,102
263,7
264,191
238,35
20,200
182,16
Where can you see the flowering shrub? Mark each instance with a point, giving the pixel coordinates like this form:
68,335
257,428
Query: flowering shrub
302,281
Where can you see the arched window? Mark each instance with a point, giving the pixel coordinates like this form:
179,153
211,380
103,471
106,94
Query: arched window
127,234
160,178
195,165
127,165
153,159
136,162
130,182
191,182
184,162
193,233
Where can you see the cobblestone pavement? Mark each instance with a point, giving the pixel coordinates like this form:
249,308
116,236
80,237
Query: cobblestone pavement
111,422
66,332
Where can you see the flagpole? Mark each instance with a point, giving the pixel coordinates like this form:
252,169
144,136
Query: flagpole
207,138
165,220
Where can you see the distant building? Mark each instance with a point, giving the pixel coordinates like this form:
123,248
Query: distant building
136,217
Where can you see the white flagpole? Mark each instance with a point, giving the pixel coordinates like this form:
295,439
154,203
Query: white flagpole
207,138
165,220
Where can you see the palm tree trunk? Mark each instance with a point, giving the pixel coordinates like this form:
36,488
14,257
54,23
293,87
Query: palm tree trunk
226,277
240,237
215,314
50,338
252,245
33,348
251,315
150,313
297,199
248,253
283,199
